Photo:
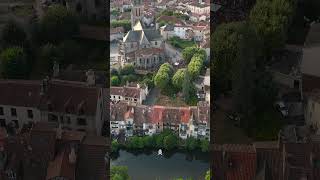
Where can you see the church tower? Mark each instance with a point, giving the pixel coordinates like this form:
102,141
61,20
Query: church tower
136,11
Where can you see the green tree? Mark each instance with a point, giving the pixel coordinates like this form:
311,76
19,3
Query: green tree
188,53
271,20
58,24
195,66
204,145
159,140
224,46
115,146
126,24
127,69
162,78
12,35
119,173
13,63
191,143
149,141
135,143
208,175
115,81
178,78
48,54
170,142
188,89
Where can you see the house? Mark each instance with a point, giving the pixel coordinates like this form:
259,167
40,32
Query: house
198,8
149,120
42,151
79,107
181,31
116,33
167,31
128,93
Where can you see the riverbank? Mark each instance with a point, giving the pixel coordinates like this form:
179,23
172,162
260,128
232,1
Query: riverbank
172,165
166,140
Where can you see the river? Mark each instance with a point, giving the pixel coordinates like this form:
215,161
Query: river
150,166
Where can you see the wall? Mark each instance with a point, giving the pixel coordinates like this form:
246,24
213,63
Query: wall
22,114
312,112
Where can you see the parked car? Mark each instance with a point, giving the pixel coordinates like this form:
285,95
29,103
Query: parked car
282,108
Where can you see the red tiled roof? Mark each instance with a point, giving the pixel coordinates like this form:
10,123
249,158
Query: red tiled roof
185,115
157,114
132,92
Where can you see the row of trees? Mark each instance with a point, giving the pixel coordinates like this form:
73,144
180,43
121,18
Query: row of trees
126,24
166,140
119,173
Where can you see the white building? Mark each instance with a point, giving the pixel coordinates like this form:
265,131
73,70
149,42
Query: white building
181,31
134,95
200,9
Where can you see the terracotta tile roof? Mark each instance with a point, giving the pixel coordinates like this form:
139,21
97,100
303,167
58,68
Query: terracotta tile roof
143,114
118,110
132,92
20,93
91,162
157,114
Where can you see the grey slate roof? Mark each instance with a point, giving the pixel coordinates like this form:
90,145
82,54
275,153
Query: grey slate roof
136,36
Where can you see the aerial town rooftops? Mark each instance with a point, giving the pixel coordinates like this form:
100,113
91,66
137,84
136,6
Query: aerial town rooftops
75,97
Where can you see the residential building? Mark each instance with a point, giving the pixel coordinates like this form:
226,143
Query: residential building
116,33
150,120
136,94
43,151
79,107
198,8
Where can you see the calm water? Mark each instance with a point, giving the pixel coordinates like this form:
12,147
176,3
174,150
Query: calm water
150,166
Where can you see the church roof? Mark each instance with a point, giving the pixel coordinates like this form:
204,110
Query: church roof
138,36
138,26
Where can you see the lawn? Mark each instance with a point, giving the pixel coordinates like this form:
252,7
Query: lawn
181,43
163,100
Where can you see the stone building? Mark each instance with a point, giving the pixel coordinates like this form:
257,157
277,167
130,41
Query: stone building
143,48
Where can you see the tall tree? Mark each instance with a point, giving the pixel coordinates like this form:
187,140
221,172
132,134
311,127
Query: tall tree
58,24
178,78
13,63
12,35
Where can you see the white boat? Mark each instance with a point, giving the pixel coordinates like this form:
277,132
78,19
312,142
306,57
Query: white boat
160,152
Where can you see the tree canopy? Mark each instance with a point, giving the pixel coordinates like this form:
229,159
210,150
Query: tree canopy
119,173
13,63
178,78
58,24
12,34
163,76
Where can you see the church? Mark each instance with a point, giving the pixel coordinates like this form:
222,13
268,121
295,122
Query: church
142,47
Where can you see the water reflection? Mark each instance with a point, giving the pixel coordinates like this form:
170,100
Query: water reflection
148,165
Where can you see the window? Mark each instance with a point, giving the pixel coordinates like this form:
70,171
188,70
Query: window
13,112
52,118
82,121
156,43
131,45
135,100
114,97
118,97
61,120
2,122
1,111
30,114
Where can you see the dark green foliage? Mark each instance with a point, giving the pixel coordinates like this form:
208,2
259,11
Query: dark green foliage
127,69
115,81
163,76
58,24
13,63
119,173
177,79
12,35
191,143
126,24
115,146
48,54
170,142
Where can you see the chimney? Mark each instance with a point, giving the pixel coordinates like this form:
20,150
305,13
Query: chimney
72,156
56,69
91,79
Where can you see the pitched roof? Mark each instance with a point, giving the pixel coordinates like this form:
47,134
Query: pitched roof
136,36
132,92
